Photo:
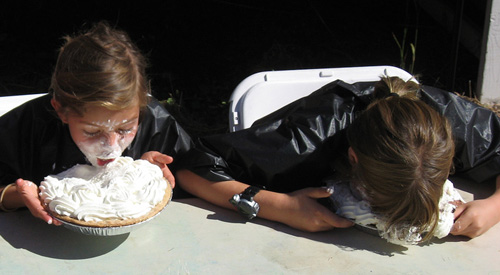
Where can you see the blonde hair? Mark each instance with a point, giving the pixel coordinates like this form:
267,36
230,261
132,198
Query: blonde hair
405,151
100,67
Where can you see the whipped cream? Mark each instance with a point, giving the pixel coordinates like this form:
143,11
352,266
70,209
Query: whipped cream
122,189
446,209
359,211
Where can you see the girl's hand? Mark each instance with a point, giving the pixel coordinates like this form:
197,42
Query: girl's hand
161,160
476,217
301,210
29,195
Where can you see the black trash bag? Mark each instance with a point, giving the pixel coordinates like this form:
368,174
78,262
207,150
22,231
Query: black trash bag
304,142
476,131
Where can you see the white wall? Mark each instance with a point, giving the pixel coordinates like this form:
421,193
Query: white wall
489,67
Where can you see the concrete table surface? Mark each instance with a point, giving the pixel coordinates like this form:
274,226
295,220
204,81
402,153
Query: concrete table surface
192,237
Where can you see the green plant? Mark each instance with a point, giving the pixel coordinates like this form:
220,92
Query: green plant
403,51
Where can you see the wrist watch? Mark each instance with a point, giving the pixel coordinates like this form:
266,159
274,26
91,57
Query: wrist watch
245,204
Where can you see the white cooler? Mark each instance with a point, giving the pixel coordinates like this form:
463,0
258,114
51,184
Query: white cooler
262,93
8,103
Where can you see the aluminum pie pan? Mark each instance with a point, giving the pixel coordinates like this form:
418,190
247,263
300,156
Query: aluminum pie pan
112,230
370,229
105,231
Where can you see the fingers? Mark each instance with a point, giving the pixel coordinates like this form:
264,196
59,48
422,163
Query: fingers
459,210
456,203
23,184
335,220
466,228
330,219
162,158
157,158
458,227
319,192
467,223
29,194
326,219
168,175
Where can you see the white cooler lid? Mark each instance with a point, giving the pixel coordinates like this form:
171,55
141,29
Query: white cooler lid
8,103
262,93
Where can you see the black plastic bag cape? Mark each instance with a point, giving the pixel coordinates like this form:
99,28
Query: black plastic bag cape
298,146
35,143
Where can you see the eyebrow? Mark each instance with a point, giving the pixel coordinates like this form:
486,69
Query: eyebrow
124,122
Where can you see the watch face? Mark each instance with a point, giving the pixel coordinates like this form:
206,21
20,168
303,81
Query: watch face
249,207
245,204
235,200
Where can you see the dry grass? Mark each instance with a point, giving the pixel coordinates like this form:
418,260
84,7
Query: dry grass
495,107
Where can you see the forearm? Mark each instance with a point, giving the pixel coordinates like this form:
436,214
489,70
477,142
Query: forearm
219,194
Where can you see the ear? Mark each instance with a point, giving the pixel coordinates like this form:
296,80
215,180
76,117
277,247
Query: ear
353,159
59,110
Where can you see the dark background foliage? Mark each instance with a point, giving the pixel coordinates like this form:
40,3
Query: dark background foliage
200,50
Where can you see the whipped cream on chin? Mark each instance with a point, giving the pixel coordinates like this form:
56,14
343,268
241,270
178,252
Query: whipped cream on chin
359,211
122,189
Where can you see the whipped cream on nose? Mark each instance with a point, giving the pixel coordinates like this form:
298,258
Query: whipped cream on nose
108,145
100,153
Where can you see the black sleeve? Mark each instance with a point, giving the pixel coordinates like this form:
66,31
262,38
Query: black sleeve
159,131
476,131
288,150
10,158
34,143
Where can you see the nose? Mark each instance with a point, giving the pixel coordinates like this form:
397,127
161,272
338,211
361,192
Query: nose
112,138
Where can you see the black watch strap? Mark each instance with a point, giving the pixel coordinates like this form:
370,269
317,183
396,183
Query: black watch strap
250,192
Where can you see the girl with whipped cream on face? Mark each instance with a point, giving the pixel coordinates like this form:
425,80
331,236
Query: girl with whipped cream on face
99,108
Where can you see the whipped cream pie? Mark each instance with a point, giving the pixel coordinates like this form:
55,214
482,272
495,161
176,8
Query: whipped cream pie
121,193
